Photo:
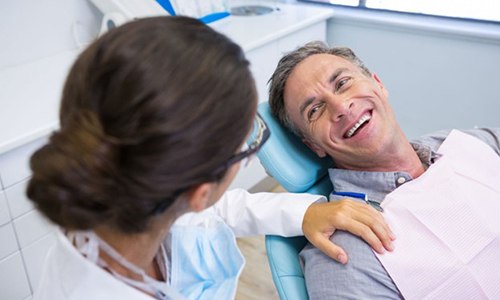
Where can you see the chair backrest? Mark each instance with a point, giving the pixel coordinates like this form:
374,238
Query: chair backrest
298,170
288,160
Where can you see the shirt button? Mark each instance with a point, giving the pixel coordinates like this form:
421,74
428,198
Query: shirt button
401,180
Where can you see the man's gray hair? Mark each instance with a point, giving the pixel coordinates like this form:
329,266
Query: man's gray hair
288,63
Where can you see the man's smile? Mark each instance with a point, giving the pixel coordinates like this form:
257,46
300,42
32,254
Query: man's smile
365,118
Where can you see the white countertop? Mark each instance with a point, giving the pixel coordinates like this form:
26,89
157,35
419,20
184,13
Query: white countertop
251,32
30,93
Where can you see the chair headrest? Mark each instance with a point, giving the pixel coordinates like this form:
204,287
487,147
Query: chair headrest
287,159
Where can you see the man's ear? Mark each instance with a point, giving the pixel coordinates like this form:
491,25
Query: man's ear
314,147
380,84
199,196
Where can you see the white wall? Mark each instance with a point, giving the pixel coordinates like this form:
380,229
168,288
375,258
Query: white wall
33,29
436,78
30,31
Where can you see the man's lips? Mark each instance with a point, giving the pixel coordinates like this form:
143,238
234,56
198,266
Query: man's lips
365,118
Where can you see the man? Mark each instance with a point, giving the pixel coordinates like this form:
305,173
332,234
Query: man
340,109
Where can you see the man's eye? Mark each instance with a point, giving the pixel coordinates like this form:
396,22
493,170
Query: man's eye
314,112
342,83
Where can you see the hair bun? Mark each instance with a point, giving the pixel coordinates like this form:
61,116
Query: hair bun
71,173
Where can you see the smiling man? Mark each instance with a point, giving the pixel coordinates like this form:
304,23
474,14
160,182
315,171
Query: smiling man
340,109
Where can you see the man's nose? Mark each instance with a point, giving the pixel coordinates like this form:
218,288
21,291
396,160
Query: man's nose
339,106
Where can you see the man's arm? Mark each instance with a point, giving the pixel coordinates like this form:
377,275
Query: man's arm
490,136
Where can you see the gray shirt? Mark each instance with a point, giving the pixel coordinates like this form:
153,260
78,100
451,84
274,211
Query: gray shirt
363,277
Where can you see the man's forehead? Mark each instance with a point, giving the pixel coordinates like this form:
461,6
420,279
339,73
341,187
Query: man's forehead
324,60
313,69
317,68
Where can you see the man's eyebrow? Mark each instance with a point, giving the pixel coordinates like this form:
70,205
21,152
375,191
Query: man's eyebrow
334,77
337,73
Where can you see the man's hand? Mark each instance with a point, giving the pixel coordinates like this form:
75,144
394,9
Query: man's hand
322,219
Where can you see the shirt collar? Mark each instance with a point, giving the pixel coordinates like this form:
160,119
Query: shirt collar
379,183
425,153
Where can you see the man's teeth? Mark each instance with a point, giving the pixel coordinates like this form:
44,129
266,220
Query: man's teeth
363,119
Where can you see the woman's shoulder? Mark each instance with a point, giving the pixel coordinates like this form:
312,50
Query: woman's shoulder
68,275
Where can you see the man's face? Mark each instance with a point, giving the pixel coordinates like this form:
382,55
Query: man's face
341,111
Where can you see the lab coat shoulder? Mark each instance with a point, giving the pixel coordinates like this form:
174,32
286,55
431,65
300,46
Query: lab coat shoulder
68,275
263,213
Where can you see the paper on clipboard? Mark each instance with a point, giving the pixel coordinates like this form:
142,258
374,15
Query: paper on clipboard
447,224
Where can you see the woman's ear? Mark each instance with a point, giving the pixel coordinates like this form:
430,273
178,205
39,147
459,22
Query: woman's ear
199,196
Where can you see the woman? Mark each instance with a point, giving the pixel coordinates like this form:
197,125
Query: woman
153,118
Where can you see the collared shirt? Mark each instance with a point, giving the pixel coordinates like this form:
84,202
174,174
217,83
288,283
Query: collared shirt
376,185
364,277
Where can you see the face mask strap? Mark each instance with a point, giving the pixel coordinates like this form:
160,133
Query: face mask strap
88,244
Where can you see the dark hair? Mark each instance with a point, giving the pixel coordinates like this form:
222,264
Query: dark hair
148,110
288,63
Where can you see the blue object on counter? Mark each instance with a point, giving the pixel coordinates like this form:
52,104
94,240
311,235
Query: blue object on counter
167,5
214,17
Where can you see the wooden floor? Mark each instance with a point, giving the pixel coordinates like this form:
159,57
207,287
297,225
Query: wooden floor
256,281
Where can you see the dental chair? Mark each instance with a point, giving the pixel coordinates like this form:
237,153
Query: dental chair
298,170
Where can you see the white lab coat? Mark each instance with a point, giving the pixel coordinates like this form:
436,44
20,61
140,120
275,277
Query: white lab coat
263,213
68,275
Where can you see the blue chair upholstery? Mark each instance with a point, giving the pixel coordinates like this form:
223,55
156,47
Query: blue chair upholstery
298,170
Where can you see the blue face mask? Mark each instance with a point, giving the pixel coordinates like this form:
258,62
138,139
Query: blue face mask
206,261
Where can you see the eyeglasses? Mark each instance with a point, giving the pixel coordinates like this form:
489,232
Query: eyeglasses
259,139
259,136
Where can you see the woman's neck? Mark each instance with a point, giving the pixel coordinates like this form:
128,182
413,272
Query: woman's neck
138,249
142,248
